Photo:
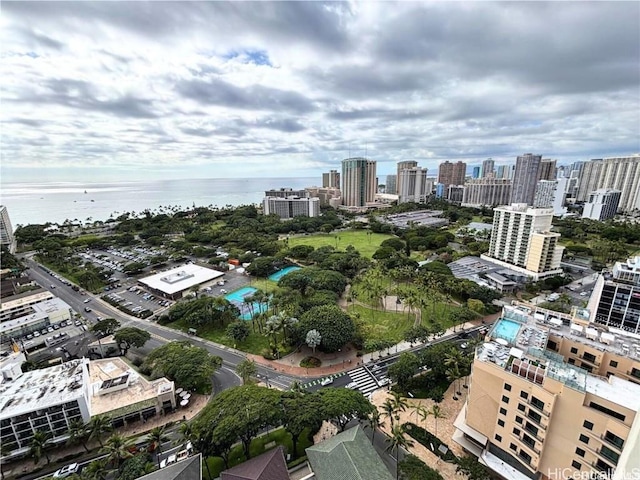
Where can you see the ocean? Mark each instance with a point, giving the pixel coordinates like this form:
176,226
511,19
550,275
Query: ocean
38,203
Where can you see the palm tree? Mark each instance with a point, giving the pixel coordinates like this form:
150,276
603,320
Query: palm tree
396,441
436,412
185,433
117,449
78,433
422,412
246,369
388,410
375,422
40,444
96,470
156,437
399,404
454,360
98,426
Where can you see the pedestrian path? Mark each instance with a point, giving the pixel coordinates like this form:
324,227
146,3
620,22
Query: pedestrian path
366,383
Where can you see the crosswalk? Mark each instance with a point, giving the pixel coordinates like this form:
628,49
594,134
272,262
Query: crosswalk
318,380
366,383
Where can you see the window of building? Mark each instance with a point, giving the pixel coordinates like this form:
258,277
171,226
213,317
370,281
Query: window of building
498,438
580,452
584,439
576,465
609,454
589,357
503,411
531,429
534,416
588,425
518,419
635,372
524,395
513,447
501,423
507,387
571,361
608,411
527,440
516,431
525,456
613,363
505,399
539,404
574,350
614,439
521,407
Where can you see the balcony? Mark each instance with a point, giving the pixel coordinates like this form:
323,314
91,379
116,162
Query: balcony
539,408
534,434
611,442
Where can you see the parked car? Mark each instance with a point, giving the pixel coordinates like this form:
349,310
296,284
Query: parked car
326,381
66,471
352,386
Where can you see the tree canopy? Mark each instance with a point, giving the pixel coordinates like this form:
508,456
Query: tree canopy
129,337
336,328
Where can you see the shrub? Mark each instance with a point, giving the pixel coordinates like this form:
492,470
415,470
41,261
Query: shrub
428,439
310,362
413,468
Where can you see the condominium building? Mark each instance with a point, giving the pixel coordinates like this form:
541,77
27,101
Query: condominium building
488,168
560,195
547,169
619,173
486,192
327,196
455,193
525,178
545,193
291,207
521,240
615,300
6,230
413,185
505,171
476,172
285,193
550,397
452,173
391,184
331,179
359,184
602,204
400,167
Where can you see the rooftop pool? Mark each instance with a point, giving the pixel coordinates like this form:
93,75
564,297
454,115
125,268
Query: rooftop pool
506,329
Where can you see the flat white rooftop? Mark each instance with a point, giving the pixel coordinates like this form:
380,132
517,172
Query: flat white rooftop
616,390
180,278
41,388
26,300
41,311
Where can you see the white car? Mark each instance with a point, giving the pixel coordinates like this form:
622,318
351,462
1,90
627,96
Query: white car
352,386
222,290
584,294
87,300
64,472
170,460
383,381
326,381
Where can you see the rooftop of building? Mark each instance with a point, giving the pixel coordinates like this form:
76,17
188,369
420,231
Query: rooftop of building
180,278
631,265
40,311
418,217
270,465
524,208
471,268
518,340
25,298
40,388
115,386
187,469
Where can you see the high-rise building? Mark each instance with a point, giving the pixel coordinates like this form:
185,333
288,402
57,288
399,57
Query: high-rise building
490,192
6,230
413,185
325,195
551,400
391,184
291,207
560,196
505,171
455,193
602,204
545,193
402,166
525,178
547,169
487,168
476,172
285,193
615,300
359,184
618,173
331,179
521,240
452,173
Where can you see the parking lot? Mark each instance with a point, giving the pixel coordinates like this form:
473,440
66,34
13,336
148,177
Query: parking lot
53,335
137,301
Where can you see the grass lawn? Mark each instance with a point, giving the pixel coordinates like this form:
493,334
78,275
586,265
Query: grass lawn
254,344
363,241
381,325
280,436
263,284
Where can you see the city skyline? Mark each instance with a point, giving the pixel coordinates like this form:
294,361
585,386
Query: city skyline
224,89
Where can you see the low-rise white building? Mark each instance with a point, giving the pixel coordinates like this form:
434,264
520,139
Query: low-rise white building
291,207
175,282
42,314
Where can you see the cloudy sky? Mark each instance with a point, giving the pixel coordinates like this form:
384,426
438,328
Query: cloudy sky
134,90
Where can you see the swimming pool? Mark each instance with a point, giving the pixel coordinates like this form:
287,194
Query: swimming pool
246,310
274,277
506,329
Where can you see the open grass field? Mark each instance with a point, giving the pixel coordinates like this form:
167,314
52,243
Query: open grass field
381,325
279,436
363,241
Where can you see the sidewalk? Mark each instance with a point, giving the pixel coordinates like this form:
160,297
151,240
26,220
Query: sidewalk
346,360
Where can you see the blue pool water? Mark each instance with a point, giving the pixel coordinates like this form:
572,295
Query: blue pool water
246,310
274,277
506,329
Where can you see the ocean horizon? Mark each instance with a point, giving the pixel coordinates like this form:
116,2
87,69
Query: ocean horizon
55,202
